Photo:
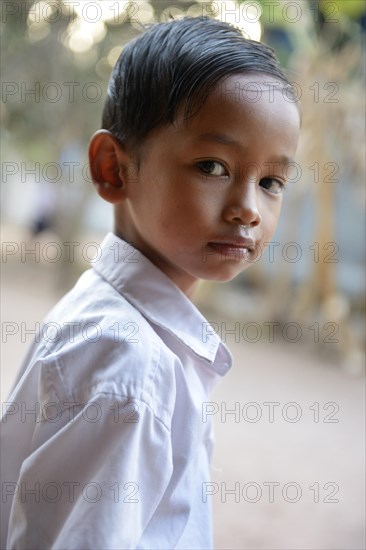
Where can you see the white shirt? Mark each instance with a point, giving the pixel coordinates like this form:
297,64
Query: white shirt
116,450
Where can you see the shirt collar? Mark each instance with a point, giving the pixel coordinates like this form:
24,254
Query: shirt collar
157,297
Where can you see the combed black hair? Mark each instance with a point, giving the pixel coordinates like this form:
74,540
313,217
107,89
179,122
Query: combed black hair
177,64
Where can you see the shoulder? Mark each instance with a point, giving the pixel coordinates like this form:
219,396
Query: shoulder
95,342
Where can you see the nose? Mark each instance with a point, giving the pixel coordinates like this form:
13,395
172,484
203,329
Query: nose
242,207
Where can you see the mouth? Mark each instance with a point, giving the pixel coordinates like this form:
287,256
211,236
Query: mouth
238,249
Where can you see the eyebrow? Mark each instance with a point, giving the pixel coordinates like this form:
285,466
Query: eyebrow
219,138
283,160
226,140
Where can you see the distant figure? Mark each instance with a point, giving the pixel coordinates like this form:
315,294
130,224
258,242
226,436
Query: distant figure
45,207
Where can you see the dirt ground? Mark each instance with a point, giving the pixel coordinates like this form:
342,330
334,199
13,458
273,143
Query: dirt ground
288,467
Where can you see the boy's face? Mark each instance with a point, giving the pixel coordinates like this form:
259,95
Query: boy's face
208,195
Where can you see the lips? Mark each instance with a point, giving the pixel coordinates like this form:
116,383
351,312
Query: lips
236,247
227,249
242,243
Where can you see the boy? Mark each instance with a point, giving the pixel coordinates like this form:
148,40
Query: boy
116,452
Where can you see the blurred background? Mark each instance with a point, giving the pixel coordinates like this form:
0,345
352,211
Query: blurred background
288,466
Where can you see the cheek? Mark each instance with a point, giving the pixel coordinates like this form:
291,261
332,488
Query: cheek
270,216
188,207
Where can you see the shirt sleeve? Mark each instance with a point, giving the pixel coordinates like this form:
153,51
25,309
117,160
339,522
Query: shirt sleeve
96,481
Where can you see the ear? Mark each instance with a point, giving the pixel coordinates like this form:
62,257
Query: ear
111,166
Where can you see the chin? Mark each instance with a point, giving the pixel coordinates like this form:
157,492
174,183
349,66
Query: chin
224,275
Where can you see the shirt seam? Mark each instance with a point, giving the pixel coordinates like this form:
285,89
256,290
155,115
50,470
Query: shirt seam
70,395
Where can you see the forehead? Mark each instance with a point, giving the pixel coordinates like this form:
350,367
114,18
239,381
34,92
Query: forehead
248,103
248,110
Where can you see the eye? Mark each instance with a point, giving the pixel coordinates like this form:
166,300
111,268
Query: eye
272,185
212,168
